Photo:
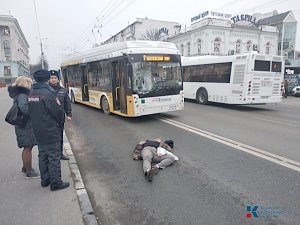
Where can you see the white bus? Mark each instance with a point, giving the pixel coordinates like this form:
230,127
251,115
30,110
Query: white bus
248,78
130,79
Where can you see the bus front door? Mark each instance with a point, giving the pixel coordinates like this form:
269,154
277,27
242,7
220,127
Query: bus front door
119,87
84,84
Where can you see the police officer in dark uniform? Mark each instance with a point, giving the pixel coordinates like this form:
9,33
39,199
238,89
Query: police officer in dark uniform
47,118
65,101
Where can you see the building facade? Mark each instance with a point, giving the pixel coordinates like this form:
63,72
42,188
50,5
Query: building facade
287,27
14,50
222,34
146,29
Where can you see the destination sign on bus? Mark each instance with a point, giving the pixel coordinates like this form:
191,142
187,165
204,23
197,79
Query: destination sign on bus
156,58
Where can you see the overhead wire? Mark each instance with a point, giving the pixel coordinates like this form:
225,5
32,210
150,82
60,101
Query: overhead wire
227,4
82,36
219,7
263,6
112,18
119,12
108,13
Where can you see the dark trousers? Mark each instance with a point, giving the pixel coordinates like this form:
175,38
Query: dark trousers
49,163
62,140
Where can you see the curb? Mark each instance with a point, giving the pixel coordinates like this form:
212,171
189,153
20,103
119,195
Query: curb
85,204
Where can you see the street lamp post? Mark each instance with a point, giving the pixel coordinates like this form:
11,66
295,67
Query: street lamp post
37,23
42,55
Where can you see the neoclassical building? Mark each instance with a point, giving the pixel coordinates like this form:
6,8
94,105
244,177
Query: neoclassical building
14,53
223,34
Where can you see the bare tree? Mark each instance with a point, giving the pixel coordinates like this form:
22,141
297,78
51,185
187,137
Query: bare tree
155,34
38,66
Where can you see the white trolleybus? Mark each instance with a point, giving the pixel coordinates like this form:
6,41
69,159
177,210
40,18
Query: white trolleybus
248,78
130,79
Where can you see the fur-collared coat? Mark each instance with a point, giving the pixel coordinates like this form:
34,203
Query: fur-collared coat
25,136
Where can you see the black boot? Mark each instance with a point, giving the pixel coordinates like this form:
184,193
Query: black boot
62,185
152,172
45,184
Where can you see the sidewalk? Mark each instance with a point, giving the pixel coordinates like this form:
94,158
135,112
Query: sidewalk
23,201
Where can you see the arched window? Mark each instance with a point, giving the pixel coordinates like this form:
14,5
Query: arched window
217,45
248,45
6,45
268,46
238,46
188,46
199,45
182,49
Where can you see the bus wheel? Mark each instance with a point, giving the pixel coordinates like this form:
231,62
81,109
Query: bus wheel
105,105
73,98
202,96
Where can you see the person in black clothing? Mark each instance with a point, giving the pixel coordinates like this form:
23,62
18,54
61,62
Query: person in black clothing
149,154
19,91
65,101
285,88
47,118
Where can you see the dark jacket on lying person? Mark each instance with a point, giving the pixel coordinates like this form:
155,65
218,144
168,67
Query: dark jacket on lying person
136,155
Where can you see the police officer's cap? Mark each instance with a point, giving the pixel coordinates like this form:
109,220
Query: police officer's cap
41,75
54,73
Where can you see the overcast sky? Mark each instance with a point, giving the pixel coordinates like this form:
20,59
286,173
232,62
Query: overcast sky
66,23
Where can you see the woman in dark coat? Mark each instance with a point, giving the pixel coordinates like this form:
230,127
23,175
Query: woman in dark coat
25,138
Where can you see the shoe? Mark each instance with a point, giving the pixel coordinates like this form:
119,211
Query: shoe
146,173
64,157
151,173
32,174
46,184
62,185
23,171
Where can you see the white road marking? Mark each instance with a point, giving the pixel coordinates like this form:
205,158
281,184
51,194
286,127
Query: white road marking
278,122
294,165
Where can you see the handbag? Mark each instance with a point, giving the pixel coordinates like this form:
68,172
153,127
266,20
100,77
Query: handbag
15,116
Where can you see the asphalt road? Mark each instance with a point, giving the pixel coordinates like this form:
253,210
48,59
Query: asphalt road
210,184
274,128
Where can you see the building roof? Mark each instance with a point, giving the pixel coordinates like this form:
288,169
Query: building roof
274,19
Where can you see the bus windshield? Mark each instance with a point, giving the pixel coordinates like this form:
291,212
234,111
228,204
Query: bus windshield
156,78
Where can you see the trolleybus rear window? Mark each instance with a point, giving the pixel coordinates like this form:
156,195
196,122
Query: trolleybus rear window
261,65
276,66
